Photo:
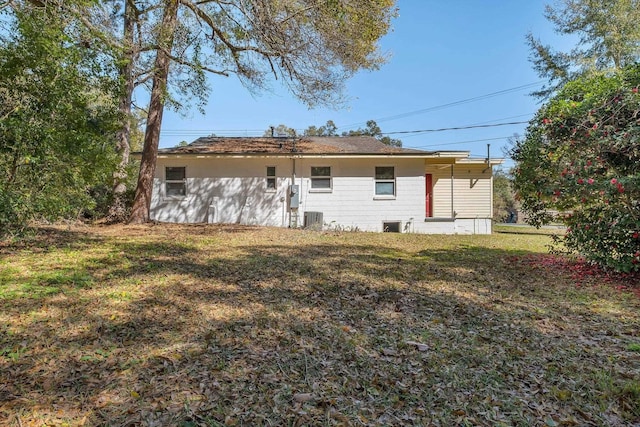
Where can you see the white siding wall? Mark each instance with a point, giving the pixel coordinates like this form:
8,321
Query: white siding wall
471,191
441,190
224,191
454,226
352,201
233,190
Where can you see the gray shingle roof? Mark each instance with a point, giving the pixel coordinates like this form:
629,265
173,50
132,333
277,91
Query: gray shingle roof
300,145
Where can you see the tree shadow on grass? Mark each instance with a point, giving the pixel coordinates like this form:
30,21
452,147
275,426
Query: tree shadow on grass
313,334
531,233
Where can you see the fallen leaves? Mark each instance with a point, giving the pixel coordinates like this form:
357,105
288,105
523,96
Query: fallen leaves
302,397
581,272
205,326
419,346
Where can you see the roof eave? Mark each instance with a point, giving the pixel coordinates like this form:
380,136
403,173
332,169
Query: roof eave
434,155
492,161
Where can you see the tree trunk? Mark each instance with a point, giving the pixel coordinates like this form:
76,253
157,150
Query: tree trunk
118,208
142,200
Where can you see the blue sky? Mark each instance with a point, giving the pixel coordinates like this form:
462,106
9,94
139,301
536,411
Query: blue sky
441,52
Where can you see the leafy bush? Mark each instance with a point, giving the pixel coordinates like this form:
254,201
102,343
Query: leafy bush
504,202
59,120
579,164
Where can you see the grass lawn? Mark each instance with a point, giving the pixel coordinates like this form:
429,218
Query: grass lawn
238,326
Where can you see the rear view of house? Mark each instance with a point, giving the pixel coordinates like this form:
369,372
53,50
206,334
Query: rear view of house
346,182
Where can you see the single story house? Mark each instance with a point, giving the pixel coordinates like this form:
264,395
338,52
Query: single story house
354,183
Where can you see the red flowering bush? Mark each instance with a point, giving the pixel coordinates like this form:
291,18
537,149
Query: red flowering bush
579,164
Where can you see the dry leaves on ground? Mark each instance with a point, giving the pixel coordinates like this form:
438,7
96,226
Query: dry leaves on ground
211,325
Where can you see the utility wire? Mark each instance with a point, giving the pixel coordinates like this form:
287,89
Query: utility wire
204,132
178,132
487,124
480,123
453,128
504,118
450,104
461,142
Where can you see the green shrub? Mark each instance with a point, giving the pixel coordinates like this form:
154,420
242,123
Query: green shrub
579,164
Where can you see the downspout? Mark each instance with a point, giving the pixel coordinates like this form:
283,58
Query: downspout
293,182
490,169
453,212
491,200
488,158
293,173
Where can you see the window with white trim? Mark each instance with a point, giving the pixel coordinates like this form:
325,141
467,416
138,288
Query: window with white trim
385,181
271,178
175,181
321,178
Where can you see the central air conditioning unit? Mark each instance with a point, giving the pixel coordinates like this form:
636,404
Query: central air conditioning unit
313,220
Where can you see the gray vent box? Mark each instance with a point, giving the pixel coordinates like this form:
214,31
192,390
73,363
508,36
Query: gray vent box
313,220
294,196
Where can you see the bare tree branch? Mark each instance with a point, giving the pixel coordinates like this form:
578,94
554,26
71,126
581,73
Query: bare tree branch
109,41
193,65
7,3
216,32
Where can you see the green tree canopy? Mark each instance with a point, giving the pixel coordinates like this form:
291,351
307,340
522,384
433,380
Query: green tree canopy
579,164
57,122
311,47
372,129
504,201
169,46
280,130
608,39
328,129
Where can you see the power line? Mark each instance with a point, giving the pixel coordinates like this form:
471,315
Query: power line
203,132
480,123
504,118
454,128
450,104
200,132
462,142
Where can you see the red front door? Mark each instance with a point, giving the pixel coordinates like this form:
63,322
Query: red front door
429,195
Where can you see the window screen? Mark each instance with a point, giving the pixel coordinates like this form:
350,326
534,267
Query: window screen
385,181
175,178
321,177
